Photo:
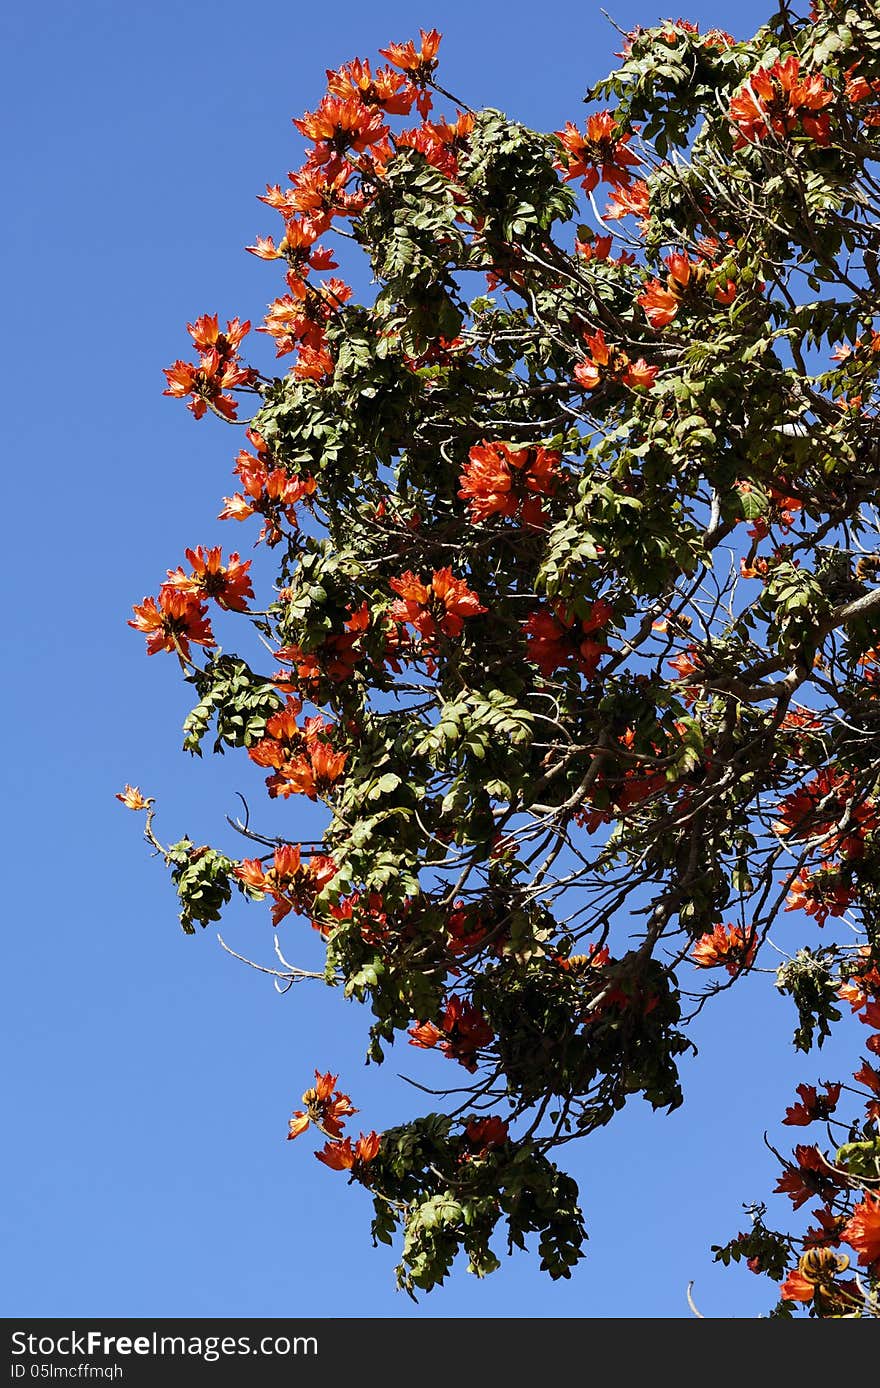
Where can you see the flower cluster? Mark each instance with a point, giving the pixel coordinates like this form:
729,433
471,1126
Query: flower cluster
206,383
685,282
302,760
732,946
782,100
502,480
463,1030
611,366
267,490
601,153
179,615
291,881
440,604
557,639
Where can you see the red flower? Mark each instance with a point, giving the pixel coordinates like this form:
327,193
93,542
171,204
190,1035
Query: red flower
229,585
556,638
814,810
173,622
728,945
599,154
218,369
611,364
820,894
325,1106
780,100
827,1232
485,1133
870,1078
863,1231
463,1030
341,1156
500,480
442,604
812,1176
595,248
813,1106
292,884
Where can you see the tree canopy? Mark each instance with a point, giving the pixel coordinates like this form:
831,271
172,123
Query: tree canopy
575,630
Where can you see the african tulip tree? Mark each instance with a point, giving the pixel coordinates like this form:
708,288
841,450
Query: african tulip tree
576,626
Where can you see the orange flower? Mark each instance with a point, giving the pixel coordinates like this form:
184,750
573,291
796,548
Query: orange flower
229,585
268,491
217,371
810,1176
728,945
500,480
601,153
815,1278
780,100
485,1133
821,894
341,1156
173,622
390,90
860,986
661,301
418,63
292,884
612,365
863,1232
661,304
325,1106
411,59
424,1034
313,364
797,1287
132,798
312,775
630,201
207,384
859,89
297,320
338,126
444,603
205,333
556,638
813,1106
463,1030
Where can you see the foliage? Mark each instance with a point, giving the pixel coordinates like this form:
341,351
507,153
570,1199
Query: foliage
576,620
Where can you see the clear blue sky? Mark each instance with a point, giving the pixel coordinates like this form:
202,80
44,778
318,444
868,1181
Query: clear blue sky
147,1172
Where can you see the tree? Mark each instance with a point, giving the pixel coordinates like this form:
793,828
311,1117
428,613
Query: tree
576,624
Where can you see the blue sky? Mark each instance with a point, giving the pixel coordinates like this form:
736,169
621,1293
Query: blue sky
152,1076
